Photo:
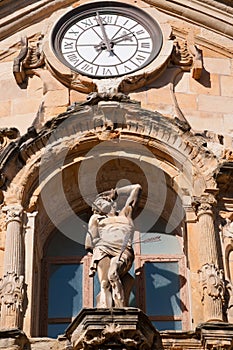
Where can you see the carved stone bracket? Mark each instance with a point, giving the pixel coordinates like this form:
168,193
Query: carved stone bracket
188,57
124,328
30,57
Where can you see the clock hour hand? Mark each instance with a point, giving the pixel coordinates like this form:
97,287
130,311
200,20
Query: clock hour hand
123,37
105,40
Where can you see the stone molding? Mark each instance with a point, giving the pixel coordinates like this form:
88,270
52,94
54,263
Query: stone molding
131,122
215,335
24,16
202,13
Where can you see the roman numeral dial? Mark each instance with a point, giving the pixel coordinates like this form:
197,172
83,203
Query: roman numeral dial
104,42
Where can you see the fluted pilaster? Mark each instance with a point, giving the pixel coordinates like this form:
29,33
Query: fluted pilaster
211,277
11,285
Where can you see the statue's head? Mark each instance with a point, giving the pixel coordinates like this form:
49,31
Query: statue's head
104,204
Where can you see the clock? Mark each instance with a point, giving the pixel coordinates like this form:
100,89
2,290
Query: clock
106,39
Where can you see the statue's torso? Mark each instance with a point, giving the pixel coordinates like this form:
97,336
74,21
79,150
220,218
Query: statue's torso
113,229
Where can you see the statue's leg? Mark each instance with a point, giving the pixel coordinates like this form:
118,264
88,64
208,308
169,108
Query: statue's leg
114,278
127,282
104,299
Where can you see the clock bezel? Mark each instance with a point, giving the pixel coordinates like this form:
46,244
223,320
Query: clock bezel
82,11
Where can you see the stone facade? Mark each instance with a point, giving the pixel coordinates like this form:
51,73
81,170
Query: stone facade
168,127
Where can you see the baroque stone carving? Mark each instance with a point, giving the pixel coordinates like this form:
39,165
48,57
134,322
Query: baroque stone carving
122,328
30,57
13,213
113,334
188,57
212,281
204,204
11,293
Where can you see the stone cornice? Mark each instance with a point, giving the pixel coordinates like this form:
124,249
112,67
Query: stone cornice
211,14
16,15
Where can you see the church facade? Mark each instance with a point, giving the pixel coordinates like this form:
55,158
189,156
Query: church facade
98,95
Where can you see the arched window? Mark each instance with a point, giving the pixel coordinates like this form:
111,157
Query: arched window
160,288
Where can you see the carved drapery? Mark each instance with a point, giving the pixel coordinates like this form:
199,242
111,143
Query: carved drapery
11,285
211,277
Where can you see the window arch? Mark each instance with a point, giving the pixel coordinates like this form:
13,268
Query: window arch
160,288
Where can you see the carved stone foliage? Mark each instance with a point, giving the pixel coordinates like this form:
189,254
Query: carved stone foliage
204,204
212,281
30,57
11,293
13,213
121,328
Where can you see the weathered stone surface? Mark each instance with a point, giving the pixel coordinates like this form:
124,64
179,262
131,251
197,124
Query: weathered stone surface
124,328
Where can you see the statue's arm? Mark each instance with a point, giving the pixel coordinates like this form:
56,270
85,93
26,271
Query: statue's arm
133,192
92,233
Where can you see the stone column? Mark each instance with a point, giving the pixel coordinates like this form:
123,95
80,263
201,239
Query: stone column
11,285
211,277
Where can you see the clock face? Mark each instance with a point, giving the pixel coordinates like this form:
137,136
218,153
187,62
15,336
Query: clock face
106,39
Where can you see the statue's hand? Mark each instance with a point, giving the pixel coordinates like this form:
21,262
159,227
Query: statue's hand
110,193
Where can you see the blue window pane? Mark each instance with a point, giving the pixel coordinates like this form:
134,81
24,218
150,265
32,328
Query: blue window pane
162,289
153,243
96,288
65,290
56,329
167,325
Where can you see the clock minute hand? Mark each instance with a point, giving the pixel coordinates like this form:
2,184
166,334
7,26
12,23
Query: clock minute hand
106,40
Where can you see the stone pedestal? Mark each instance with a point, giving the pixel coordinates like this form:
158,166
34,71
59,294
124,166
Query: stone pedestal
216,335
120,328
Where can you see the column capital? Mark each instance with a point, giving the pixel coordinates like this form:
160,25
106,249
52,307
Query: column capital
13,212
204,204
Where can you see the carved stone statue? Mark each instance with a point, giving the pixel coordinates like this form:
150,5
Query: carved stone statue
109,239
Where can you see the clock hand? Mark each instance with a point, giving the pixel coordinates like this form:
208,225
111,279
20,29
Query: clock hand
122,37
105,40
115,41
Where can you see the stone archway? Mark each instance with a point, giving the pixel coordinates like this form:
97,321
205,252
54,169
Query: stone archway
109,132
